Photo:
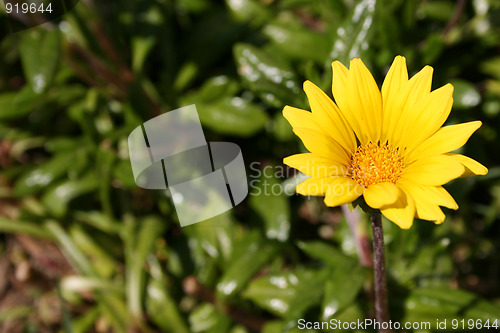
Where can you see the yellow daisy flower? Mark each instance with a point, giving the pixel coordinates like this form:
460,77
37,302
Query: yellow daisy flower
385,145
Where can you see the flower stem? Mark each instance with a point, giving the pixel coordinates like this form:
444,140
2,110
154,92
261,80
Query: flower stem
381,309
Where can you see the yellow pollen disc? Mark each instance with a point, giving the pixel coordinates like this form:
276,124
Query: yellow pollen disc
375,163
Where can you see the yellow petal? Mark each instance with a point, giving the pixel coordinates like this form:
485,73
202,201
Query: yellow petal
322,145
472,167
429,211
314,186
401,212
395,80
426,117
443,198
299,118
363,97
340,72
440,196
342,190
445,140
381,194
327,115
315,166
433,170
339,89
426,201
417,88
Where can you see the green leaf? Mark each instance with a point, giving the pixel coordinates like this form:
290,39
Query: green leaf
491,67
23,227
274,292
234,116
40,55
249,256
67,94
434,46
483,310
57,198
465,95
98,220
253,12
213,89
86,321
269,78
22,146
326,253
122,172
341,289
42,176
437,10
270,202
19,104
63,144
194,6
114,310
74,254
103,263
104,164
215,236
141,46
80,283
297,42
273,326
288,294
431,303
205,318
351,313
305,296
6,105
279,326
161,307
354,36
139,239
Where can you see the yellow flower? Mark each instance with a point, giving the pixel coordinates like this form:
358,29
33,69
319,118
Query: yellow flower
386,145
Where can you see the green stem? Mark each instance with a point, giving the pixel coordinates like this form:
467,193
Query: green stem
381,308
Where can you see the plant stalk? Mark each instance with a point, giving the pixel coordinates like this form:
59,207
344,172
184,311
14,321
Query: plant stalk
381,308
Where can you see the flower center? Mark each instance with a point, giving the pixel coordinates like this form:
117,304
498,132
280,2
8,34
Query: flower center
375,163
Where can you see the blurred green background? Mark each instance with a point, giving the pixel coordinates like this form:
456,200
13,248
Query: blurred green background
83,249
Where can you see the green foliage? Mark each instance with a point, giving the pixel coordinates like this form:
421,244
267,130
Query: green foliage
71,92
